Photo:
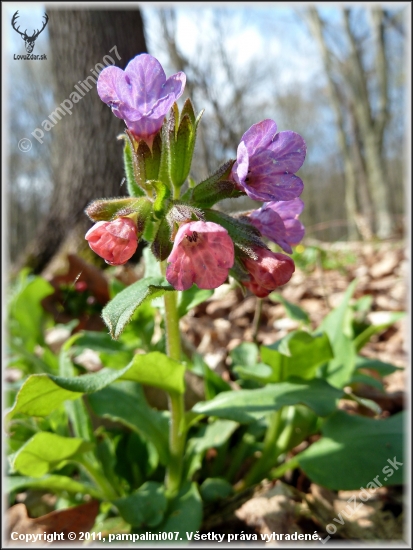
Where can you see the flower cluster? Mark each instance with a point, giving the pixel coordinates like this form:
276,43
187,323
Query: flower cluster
200,245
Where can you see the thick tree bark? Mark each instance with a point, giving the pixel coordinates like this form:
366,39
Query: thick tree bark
86,157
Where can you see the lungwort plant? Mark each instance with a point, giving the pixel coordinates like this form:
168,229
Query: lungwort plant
77,433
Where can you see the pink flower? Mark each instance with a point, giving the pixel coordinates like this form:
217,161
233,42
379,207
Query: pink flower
203,252
270,271
115,241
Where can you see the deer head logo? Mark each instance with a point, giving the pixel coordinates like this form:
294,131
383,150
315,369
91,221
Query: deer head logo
28,40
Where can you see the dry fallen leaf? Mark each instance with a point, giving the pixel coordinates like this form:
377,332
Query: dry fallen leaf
79,519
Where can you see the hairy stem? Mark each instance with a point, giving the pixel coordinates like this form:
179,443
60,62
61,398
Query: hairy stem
176,400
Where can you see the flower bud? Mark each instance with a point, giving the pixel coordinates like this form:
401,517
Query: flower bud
115,242
268,272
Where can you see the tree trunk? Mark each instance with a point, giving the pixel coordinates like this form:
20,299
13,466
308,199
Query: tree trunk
371,129
86,157
349,171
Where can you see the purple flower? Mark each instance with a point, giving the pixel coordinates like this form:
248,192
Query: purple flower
203,253
140,95
266,163
278,221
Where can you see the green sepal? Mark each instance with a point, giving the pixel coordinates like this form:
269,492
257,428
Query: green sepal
168,136
238,270
148,161
206,195
153,161
161,203
181,213
188,109
128,158
215,188
245,236
162,245
182,149
178,143
110,209
142,163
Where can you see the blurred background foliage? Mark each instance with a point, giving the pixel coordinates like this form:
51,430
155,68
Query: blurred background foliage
334,74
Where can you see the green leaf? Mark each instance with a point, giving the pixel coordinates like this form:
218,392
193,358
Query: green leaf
339,370
368,403
126,403
152,266
185,512
334,323
246,354
54,483
374,364
365,336
119,311
42,393
192,297
298,354
245,406
46,451
260,372
360,378
39,396
213,435
76,411
213,383
158,370
146,506
215,488
26,313
293,311
355,451
98,341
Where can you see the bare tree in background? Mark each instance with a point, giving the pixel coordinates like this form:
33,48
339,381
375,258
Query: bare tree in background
361,107
213,83
86,159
